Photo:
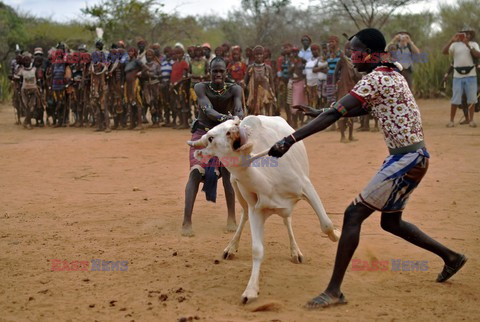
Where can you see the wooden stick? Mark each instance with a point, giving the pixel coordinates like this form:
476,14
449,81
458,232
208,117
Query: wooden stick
256,156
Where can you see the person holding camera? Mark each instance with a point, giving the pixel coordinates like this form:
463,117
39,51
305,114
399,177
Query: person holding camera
464,52
406,54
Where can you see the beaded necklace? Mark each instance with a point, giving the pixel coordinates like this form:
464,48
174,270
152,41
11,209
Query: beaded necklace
218,92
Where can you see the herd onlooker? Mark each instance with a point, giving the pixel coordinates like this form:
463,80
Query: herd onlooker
406,54
464,52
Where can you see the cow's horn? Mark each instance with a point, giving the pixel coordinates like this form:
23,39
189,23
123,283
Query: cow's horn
200,143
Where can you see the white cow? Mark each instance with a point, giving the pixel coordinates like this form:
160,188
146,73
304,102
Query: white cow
273,188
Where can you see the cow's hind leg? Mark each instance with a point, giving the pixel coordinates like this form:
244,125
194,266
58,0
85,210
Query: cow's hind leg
325,223
257,221
232,247
297,256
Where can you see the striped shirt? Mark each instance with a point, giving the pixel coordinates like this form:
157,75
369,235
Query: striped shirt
166,70
332,63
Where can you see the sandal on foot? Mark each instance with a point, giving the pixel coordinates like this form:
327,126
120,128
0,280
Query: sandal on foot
448,271
324,300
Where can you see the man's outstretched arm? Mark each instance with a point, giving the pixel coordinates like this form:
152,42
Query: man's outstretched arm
349,105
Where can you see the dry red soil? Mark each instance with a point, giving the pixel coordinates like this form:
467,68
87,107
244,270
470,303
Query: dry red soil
76,195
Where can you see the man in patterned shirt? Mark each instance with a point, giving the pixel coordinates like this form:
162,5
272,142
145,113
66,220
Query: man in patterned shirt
385,93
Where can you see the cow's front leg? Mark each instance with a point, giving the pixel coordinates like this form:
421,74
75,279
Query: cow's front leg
232,247
297,256
257,221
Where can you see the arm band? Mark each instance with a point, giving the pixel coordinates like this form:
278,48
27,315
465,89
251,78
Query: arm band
340,108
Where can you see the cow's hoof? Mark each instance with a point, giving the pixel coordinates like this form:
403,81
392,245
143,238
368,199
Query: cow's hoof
229,252
334,235
187,231
297,258
249,296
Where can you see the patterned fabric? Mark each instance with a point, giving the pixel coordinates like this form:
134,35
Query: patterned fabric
58,82
194,163
259,91
340,108
237,70
385,93
166,70
330,89
332,63
391,187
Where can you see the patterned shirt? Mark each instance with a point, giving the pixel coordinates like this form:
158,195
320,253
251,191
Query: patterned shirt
385,93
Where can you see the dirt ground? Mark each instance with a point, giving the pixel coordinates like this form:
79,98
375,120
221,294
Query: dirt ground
75,195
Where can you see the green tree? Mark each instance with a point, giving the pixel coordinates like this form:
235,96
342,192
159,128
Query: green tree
123,19
366,13
13,32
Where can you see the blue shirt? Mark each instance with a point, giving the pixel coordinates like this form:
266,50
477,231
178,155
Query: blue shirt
166,70
332,63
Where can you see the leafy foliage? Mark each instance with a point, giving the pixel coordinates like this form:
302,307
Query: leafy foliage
267,22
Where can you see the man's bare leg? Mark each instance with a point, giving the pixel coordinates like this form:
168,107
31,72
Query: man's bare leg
230,197
393,223
471,112
342,127
350,130
190,195
453,111
352,222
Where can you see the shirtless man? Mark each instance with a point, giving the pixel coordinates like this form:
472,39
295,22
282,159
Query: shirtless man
219,101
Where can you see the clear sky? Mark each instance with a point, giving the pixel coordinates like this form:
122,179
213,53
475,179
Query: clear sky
65,10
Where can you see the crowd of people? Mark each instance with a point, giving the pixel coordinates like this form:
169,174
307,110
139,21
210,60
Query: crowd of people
146,84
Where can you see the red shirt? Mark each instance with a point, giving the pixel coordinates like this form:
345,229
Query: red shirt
237,70
279,63
178,69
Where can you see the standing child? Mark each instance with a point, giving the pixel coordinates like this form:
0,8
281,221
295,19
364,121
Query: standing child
259,80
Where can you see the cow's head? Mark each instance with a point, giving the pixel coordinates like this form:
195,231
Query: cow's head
228,139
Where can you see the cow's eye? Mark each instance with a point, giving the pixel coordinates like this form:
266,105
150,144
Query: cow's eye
210,139
228,133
